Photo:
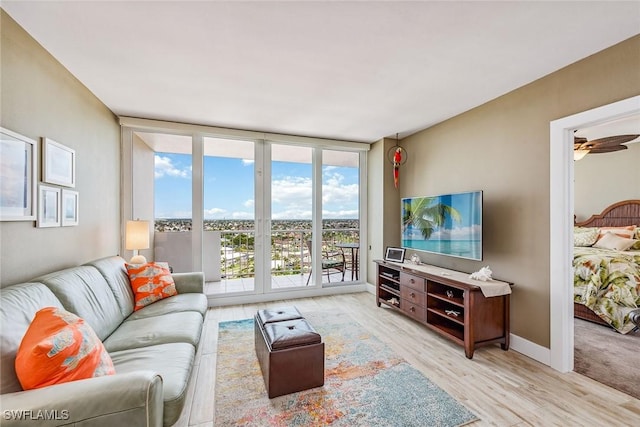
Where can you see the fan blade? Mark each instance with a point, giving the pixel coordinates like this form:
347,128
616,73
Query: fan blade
579,142
611,141
604,149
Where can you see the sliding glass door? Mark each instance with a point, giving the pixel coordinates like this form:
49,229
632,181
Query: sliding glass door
341,209
229,231
291,207
256,215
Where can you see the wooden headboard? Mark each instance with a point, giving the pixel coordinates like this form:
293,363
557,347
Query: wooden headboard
626,212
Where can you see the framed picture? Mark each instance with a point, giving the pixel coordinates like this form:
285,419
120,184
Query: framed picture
48,206
70,204
394,254
58,164
18,168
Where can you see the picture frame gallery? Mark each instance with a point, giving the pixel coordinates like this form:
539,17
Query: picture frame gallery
50,203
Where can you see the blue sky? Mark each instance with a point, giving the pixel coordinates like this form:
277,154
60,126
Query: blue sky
229,189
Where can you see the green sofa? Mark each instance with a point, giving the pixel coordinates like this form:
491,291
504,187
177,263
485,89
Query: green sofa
153,349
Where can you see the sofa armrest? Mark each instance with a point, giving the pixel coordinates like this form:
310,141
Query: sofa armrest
189,282
131,399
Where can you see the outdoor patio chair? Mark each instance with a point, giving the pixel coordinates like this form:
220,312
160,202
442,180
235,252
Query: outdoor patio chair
331,261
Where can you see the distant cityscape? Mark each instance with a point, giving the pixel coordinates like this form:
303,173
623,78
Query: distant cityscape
184,224
289,242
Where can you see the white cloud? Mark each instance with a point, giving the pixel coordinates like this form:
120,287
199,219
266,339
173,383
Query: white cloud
291,198
335,192
219,213
248,162
340,214
249,203
291,189
242,215
292,213
164,167
214,213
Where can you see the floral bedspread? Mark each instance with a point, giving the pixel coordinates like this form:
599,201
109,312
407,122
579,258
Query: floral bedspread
608,282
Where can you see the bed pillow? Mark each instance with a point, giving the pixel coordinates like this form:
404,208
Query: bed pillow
59,347
636,245
627,232
150,282
615,242
585,236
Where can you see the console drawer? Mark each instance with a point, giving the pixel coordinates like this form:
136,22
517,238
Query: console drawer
413,296
413,310
412,281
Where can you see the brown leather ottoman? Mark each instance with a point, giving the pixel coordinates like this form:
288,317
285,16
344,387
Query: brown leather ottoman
289,350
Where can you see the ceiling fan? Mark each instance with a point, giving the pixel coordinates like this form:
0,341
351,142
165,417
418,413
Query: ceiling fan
582,146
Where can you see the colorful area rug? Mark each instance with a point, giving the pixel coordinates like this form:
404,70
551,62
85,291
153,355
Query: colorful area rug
366,384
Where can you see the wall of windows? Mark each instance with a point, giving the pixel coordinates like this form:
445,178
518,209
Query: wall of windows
258,213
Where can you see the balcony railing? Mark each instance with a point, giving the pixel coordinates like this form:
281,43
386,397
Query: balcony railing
289,250
230,254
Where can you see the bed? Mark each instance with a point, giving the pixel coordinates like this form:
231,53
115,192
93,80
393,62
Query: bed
607,279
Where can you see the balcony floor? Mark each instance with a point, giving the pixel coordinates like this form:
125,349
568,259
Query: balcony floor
277,282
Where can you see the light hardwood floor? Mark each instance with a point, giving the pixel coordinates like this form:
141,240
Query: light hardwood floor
501,388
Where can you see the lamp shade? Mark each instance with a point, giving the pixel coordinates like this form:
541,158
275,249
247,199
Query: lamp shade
137,235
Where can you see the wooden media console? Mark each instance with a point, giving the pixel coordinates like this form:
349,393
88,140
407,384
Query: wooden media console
447,302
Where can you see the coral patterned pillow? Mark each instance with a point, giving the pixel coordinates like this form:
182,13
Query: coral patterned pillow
59,347
627,232
150,282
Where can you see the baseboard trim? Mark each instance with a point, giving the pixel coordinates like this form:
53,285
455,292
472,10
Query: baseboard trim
530,349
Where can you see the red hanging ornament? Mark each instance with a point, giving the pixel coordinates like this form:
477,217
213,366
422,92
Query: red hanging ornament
397,160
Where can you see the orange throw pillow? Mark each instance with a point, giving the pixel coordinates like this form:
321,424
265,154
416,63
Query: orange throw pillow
150,282
59,347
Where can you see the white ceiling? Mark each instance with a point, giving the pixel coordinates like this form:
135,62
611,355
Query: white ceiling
355,71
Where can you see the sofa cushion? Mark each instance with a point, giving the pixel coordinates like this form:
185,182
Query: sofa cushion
150,282
18,306
192,282
84,292
178,303
60,347
172,361
173,327
114,272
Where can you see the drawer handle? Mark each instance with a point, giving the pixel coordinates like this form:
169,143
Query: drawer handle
412,308
412,295
412,281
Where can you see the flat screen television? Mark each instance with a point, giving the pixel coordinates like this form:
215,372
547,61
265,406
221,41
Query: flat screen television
448,224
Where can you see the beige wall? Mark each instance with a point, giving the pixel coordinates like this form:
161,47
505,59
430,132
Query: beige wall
603,179
383,205
41,98
502,148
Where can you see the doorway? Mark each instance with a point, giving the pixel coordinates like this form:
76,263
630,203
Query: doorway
561,222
